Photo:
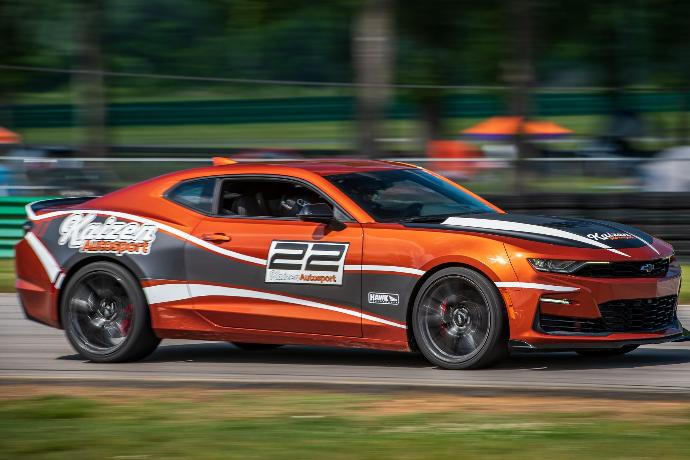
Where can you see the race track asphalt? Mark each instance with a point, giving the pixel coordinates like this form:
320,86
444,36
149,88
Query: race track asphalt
32,353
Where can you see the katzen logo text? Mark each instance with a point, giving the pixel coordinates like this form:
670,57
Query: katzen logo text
609,236
111,236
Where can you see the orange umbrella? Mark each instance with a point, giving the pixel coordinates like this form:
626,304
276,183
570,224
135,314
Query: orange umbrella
507,127
8,137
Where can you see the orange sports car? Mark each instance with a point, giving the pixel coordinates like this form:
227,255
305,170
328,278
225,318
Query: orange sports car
346,253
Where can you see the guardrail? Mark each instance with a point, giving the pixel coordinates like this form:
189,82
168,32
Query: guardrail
12,216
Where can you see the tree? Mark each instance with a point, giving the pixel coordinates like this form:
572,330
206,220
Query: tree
372,51
15,48
520,75
88,82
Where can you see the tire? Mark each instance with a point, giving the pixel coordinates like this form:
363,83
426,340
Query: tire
459,320
255,346
105,315
603,352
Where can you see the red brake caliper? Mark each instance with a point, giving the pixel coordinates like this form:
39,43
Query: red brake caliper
127,320
444,305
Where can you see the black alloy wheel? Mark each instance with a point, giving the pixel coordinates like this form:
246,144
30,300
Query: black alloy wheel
105,315
459,320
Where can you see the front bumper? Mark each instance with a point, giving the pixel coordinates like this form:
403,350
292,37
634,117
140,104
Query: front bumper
518,345
584,295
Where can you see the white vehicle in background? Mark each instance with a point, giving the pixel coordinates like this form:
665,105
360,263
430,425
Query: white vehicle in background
668,172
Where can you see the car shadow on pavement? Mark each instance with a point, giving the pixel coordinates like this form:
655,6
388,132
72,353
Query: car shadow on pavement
642,357
218,352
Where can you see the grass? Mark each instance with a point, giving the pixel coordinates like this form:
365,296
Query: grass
299,135
6,275
256,424
7,279
398,134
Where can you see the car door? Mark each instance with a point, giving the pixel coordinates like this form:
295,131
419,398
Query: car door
260,267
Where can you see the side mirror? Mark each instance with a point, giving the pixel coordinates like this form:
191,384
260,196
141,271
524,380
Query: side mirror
319,212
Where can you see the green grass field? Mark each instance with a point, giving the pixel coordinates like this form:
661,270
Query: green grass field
399,134
256,424
7,279
298,135
6,275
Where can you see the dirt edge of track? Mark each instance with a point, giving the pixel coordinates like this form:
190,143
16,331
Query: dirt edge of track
618,393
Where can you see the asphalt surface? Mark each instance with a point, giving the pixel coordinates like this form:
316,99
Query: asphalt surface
30,352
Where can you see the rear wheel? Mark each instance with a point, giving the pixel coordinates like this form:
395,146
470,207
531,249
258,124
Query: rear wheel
255,346
105,315
459,321
607,351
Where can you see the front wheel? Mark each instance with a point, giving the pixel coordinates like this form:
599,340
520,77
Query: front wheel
105,315
459,321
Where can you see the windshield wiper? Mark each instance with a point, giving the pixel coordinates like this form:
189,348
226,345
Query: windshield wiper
436,218
440,217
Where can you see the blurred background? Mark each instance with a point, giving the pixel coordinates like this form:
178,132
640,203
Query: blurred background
561,107
565,107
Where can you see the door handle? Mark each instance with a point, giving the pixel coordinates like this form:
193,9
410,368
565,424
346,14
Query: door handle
216,237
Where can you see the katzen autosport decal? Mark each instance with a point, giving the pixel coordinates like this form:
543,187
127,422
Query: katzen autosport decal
303,262
80,231
610,236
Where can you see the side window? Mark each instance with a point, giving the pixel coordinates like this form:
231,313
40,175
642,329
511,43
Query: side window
265,198
195,194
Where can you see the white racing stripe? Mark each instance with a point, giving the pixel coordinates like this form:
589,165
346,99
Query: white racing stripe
50,265
205,244
385,268
167,293
645,242
166,228
544,287
173,292
30,212
487,224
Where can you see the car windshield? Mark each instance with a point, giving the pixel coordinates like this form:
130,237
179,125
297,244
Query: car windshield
407,195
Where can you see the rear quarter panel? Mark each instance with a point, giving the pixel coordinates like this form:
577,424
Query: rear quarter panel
40,294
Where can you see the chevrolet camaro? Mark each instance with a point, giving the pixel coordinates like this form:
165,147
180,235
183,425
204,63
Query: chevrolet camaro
338,253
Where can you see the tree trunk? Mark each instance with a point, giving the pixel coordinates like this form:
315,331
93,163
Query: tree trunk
89,87
521,78
432,121
372,45
683,131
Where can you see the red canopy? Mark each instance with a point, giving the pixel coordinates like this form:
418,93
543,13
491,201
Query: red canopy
8,137
504,127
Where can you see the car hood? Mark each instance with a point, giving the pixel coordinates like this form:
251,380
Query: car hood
564,231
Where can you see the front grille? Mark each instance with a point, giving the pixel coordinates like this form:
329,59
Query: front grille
652,268
561,324
638,315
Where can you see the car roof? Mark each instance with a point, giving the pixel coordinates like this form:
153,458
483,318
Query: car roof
322,167
312,170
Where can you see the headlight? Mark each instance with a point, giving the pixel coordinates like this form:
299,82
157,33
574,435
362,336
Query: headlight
557,266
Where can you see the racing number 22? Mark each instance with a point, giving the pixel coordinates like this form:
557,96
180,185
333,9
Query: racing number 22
305,262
